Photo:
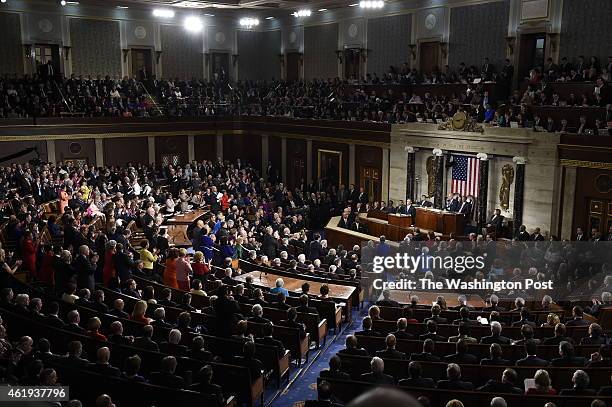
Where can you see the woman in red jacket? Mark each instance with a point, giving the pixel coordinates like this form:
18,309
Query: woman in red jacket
46,274
108,272
28,253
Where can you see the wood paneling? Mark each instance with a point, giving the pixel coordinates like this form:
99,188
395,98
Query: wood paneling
296,161
120,151
82,149
586,189
247,147
205,147
275,154
366,156
171,145
343,148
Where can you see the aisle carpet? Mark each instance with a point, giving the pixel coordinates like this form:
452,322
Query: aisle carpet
304,387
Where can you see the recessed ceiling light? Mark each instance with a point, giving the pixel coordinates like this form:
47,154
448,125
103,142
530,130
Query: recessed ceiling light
122,7
209,15
2,1
270,18
63,2
193,24
163,12
322,9
72,3
353,5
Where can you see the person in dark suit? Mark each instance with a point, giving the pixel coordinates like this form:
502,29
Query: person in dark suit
377,375
524,313
159,318
53,318
523,235
427,354
464,317
531,358
352,347
145,341
257,317
268,339
345,221
335,370
567,358
507,385
362,197
432,328
454,382
292,322
400,333
366,324
559,336
596,336
358,226
117,310
166,376
102,365
73,318
173,346
205,385
578,319
495,356
123,263
386,300
580,382
435,315
415,379
465,208
497,221
461,355
495,336
390,352
315,250
85,268
494,305
74,359
304,308
424,202
249,361
132,369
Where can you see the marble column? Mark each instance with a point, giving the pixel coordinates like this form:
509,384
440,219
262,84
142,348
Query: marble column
284,160
220,146
309,169
190,148
265,155
519,194
351,174
151,149
439,176
51,151
483,188
99,152
385,173
410,173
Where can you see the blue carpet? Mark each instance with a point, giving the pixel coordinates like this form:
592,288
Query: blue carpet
304,386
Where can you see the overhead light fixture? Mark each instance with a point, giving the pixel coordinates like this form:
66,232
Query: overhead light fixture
163,12
122,7
63,2
193,24
249,22
322,10
301,13
2,1
209,15
353,5
72,3
374,4
270,18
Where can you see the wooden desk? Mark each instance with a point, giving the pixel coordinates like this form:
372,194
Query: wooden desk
440,221
186,218
403,221
428,297
177,236
348,238
341,293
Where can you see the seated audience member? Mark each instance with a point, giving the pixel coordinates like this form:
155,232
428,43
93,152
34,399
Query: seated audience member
602,358
495,357
73,319
453,379
551,321
461,355
132,369
435,315
166,376
387,301
102,365
427,354
400,333
528,335
159,318
596,336
351,347
279,287
145,341
117,310
499,402
198,350
390,352
494,301
432,328
166,298
335,369
268,339
173,346
116,336
374,313
415,378
531,358
566,351
204,385
462,330
558,337
366,324
281,302
464,317
524,319
249,361
495,336
542,384
577,319
291,322
304,307
580,382
376,374
93,329
386,397
257,317
506,385
325,397
74,359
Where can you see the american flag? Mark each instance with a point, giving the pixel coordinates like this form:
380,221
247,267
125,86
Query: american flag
465,175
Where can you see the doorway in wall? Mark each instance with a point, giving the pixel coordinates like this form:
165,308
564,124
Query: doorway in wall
429,56
293,66
142,63
531,53
370,180
220,66
43,53
352,63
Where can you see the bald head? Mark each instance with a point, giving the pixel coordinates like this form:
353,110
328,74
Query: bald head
384,397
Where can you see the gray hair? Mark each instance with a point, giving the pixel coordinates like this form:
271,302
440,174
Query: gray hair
377,365
257,310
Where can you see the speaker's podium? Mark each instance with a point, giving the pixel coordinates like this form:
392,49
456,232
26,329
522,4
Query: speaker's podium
403,221
440,221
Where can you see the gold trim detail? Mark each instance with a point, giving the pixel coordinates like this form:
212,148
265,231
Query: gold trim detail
585,164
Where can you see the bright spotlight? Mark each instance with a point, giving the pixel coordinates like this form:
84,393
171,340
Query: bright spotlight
372,4
63,2
193,24
302,13
249,22
163,12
